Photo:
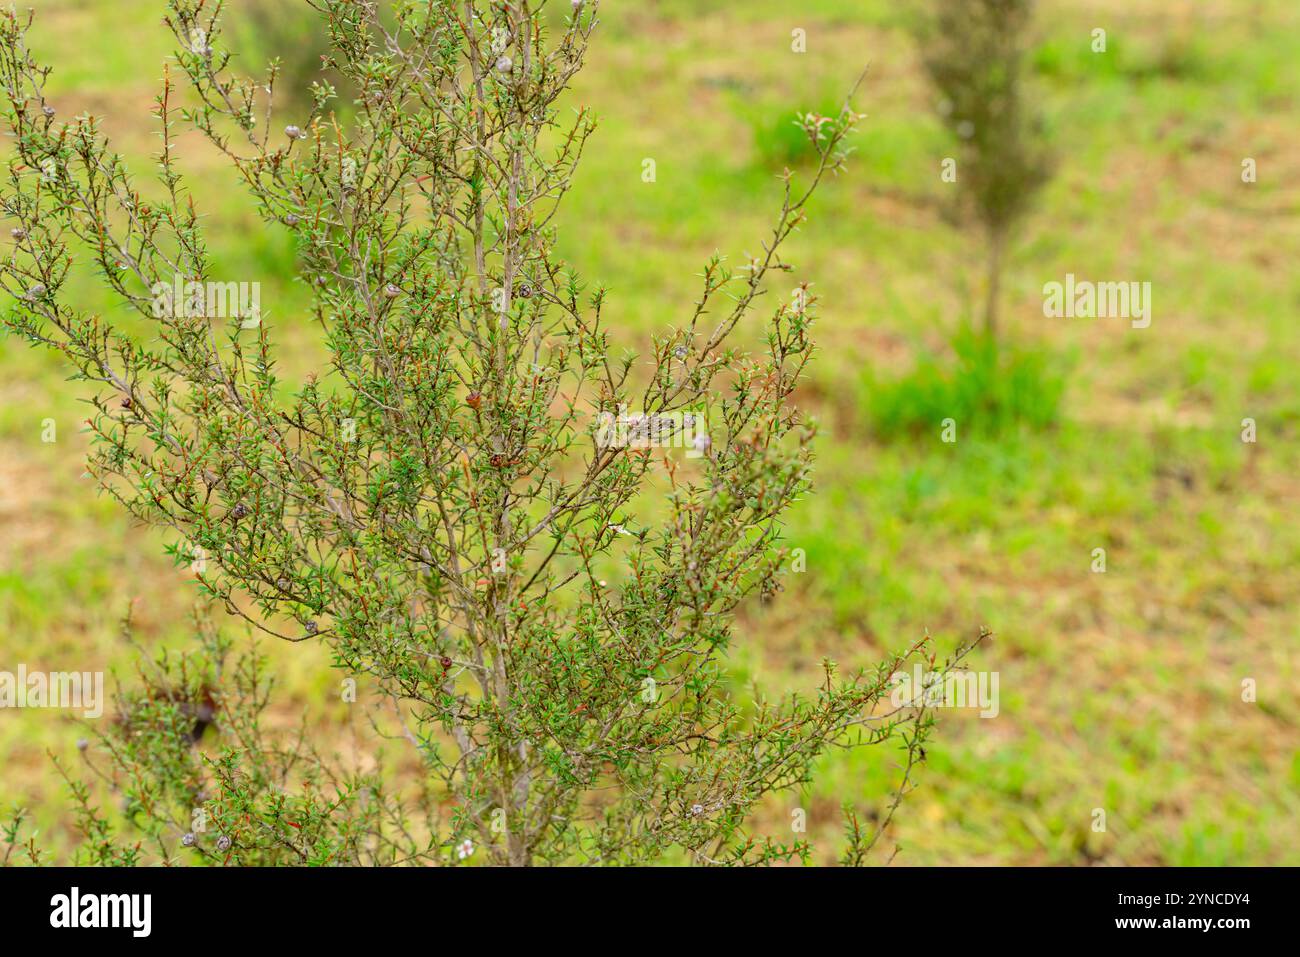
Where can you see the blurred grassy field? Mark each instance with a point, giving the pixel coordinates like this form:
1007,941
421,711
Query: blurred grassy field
1120,690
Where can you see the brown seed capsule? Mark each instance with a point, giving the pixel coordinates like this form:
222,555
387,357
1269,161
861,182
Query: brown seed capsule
474,400
445,662
18,234
239,511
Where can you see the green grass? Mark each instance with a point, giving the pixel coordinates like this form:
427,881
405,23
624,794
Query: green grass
986,387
